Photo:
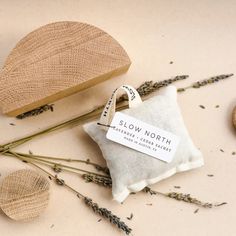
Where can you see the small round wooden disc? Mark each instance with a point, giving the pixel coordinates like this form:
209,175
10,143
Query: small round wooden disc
234,117
24,194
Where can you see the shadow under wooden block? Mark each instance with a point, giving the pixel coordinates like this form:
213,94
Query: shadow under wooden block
55,61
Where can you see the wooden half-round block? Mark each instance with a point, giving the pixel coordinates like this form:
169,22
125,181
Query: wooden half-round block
24,195
55,61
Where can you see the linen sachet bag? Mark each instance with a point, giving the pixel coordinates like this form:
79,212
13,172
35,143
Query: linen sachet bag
145,143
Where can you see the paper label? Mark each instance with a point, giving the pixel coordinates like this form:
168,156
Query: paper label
145,138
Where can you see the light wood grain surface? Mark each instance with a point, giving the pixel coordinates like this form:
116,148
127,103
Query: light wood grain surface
199,38
55,61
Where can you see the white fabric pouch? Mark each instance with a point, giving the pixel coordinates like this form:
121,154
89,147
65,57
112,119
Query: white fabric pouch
132,170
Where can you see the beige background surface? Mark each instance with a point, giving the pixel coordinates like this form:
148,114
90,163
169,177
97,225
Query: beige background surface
199,37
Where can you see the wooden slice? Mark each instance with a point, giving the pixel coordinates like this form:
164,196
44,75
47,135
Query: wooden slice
24,195
55,61
234,117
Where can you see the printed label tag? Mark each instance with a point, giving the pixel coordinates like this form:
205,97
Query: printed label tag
142,137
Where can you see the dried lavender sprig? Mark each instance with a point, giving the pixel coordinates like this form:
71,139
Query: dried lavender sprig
57,167
149,87
204,82
211,80
152,87
77,120
183,197
177,196
107,215
36,111
106,182
98,167
189,199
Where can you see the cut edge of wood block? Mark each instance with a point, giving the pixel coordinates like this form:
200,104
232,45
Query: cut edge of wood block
67,92
234,117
